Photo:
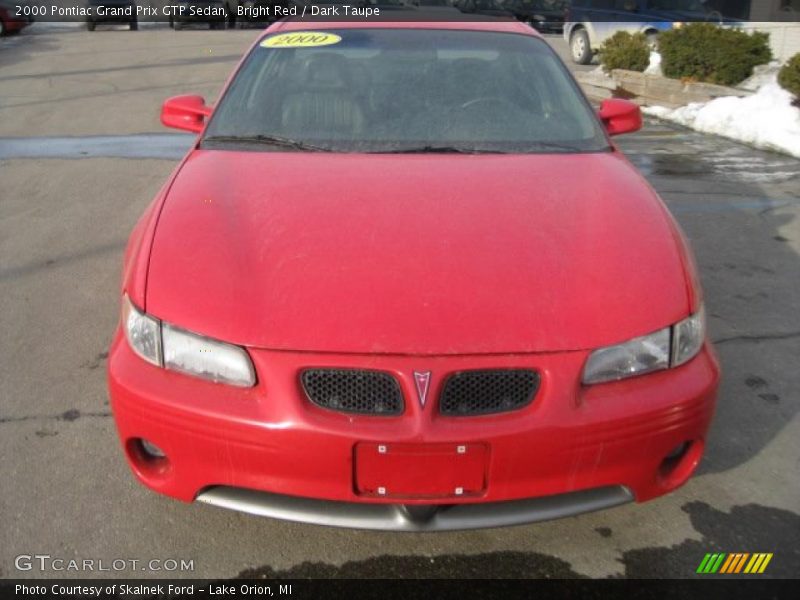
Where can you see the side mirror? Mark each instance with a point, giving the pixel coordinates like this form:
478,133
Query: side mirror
620,116
185,112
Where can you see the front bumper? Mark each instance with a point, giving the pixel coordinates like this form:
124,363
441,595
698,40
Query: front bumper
402,517
225,444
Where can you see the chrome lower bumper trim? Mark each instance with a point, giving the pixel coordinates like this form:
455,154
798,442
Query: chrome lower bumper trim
398,517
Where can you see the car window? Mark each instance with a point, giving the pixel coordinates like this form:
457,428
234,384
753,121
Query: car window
385,90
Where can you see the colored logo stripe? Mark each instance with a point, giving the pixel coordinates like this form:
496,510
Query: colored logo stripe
733,563
758,563
711,563
727,564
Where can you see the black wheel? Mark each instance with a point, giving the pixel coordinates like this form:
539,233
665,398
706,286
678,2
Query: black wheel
90,25
134,25
580,47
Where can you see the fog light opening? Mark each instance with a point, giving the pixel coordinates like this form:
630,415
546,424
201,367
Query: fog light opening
676,453
147,458
150,450
679,463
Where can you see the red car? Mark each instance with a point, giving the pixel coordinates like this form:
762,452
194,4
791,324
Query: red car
404,280
9,21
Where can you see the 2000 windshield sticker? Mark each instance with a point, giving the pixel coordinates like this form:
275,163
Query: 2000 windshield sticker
301,39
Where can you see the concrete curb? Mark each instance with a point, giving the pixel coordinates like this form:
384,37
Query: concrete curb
650,90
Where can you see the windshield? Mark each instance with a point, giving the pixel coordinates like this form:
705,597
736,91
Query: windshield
395,90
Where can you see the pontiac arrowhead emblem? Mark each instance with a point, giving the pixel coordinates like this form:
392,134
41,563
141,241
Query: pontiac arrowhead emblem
423,380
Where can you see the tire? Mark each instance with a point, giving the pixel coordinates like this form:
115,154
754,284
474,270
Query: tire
580,47
134,25
90,25
177,25
216,25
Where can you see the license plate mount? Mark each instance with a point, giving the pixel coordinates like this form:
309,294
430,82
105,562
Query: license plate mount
441,470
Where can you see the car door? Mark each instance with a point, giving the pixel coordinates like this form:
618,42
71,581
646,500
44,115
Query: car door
611,16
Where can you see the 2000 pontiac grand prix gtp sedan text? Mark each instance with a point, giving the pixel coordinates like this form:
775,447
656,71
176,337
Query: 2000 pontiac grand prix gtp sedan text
404,280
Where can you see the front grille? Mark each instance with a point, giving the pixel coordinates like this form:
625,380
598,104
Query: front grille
485,392
353,391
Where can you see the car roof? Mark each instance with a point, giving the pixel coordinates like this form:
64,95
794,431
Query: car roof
499,25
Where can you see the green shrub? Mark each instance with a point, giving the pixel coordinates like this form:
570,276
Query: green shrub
789,76
706,52
625,51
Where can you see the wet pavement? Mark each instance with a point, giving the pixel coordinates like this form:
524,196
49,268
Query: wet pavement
81,156
663,149
143,145
720,531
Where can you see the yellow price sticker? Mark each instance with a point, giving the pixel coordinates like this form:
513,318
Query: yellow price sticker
301,39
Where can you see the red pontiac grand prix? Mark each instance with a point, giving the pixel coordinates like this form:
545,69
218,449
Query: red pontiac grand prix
404,280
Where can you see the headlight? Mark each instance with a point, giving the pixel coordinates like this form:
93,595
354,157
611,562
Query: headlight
636,357
669,347
167,346
200,356
143,332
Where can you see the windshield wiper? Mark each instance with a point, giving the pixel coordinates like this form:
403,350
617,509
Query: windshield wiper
430,149
552,146
524,148
283,142
267,140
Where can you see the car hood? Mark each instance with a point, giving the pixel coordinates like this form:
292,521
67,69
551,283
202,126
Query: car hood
415,254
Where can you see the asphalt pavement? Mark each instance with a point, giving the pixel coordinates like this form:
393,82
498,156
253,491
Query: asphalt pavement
68,200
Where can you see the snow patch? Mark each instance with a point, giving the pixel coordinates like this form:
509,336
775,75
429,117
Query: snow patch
600,72
762,75
766,119
654,68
